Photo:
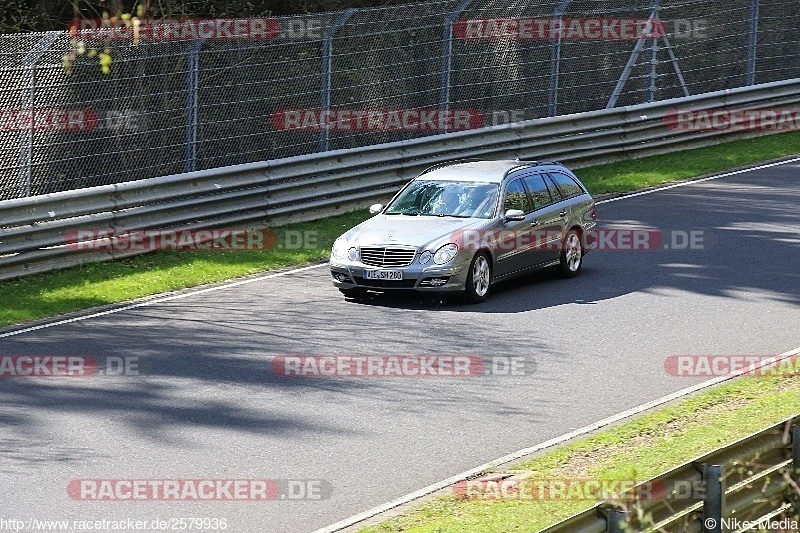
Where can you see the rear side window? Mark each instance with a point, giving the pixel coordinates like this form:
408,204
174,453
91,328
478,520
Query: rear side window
540,196
568,186
516,197
557,196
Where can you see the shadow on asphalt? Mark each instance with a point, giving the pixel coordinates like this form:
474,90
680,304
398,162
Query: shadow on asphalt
209,366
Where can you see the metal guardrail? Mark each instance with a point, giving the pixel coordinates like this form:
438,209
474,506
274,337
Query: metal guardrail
32,230
753,479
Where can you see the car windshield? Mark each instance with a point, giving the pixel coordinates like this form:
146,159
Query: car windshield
463,199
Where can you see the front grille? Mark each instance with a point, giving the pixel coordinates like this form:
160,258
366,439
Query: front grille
387,257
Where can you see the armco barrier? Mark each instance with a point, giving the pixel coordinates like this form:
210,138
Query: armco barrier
753,479
275,192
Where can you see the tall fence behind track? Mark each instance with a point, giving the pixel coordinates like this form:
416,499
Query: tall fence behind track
187,99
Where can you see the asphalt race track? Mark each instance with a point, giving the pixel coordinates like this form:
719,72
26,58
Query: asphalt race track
206,405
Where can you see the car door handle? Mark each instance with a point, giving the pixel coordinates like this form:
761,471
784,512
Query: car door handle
534,223
563,213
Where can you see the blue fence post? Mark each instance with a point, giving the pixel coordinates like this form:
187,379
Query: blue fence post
447,62
714,501
327,74
193,95
651,89
654,28
26,147
796,453
616,521
555,60
626,72
752,43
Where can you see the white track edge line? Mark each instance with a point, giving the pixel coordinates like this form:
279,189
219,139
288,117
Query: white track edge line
159,300
701,180
355,519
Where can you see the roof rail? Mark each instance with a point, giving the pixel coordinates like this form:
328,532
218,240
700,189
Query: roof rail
528,164
534,163
524,164
449,163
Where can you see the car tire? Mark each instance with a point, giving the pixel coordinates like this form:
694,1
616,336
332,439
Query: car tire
354,293
571,255
479,278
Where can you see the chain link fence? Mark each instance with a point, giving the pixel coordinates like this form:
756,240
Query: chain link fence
189,99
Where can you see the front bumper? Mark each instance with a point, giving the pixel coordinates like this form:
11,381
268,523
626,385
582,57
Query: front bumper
453,275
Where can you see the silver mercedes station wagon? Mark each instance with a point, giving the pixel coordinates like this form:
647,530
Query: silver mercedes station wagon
462,226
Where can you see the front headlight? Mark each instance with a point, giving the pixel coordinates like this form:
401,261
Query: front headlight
445,254
339,249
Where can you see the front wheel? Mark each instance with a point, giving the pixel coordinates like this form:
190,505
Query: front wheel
571,255
478,279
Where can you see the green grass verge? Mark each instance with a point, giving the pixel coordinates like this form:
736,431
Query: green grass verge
94,284
73,289
639,449
634,174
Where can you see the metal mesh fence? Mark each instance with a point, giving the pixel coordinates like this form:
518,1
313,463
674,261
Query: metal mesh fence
188,101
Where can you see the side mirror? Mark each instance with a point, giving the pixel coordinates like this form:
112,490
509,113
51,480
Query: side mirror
514,214
374,209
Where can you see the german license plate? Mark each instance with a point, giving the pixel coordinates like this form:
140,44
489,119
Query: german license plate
391,275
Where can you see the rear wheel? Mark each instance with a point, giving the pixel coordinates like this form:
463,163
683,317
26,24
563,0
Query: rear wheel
571,255
478,279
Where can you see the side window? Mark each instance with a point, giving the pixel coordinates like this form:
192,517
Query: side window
540,196
566,185
557,197
516,197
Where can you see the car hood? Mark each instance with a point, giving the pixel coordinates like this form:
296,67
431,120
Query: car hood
416,231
